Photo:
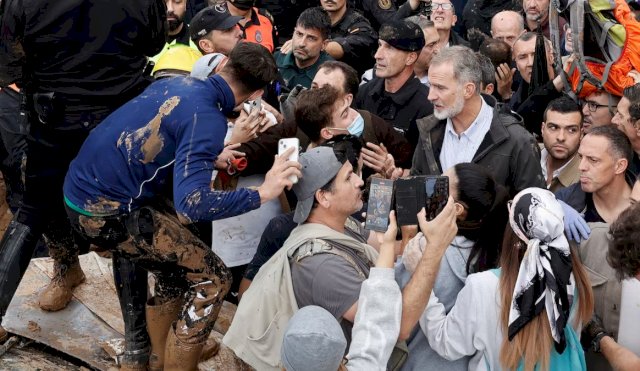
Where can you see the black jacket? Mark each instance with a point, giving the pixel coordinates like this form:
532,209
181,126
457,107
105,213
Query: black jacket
379,12
509,152
531,107
400,109
455,39
81,48
358,39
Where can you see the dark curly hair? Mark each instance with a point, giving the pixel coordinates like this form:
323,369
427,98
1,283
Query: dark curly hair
624,247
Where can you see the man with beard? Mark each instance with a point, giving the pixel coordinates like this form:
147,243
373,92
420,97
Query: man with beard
299,66
598,109
215,30
537,12
467,127
178,31
627,119
561,136
351,39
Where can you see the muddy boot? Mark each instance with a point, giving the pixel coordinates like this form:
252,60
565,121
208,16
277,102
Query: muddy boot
159,320
131,286
127,366
16,248
179,355
58,293
210,349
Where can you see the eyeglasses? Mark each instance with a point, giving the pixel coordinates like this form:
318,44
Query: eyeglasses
443,6
593,106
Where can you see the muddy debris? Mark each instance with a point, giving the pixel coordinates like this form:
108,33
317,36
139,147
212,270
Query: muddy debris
33,327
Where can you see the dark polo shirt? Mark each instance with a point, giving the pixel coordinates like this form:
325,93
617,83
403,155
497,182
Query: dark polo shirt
292,75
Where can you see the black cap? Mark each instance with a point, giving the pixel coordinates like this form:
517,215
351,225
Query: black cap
403,35
215,17
243,4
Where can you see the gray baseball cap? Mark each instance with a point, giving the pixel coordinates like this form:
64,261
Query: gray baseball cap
206,64
319,166
313,341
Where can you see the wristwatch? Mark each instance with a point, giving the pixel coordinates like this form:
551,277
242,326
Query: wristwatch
595,343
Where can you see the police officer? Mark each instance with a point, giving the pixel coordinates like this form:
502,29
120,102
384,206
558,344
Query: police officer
379,12
73,73
395,94
285,13
352,37
257,25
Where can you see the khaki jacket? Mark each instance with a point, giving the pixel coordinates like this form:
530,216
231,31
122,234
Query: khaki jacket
568,176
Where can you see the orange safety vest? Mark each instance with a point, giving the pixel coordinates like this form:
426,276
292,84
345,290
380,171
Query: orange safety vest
259,29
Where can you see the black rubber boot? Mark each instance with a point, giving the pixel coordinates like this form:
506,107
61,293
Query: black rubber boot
16,249
131,285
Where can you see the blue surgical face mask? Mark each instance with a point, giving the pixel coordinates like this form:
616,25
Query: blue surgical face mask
357,126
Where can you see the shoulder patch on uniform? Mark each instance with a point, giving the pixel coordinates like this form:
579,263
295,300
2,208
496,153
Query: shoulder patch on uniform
384,4
258,36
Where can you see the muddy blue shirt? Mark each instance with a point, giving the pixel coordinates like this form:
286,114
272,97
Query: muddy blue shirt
175,127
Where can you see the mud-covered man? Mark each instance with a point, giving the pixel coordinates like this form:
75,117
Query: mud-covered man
173,132
68,91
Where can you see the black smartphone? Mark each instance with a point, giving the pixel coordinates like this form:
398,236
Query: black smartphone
436,195
379,204
409,199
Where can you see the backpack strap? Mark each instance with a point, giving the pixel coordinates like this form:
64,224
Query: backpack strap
323,247
554,27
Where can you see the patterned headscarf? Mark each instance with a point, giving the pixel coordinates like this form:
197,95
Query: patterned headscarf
545,278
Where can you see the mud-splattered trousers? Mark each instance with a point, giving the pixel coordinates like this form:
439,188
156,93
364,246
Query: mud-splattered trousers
183,265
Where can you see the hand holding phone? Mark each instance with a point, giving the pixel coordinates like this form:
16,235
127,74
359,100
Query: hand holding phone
379,204
253,106
436,195
283,145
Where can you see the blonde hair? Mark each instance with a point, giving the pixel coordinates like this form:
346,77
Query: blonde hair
533,343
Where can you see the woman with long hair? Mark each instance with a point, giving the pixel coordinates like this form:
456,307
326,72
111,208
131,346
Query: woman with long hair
525,315
481,209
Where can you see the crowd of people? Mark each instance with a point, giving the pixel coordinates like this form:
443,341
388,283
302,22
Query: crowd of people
153,130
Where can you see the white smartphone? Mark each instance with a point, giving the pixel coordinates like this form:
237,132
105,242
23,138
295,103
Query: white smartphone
255,105
283,145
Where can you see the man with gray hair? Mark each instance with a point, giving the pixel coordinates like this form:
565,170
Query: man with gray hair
467,127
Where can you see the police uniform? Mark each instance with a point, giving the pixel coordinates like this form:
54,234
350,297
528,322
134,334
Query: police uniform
379,12
409,103
260,29
357,38
69,90
285,14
